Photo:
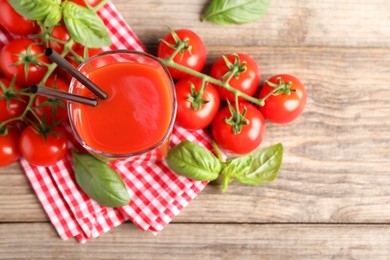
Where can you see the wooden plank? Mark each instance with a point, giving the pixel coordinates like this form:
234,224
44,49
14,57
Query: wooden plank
202,241
17,199
337,154
287,23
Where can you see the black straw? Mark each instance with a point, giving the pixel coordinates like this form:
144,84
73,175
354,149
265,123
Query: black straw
65,65
55,93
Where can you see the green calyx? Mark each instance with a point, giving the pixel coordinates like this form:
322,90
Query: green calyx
235,68
282,87
278,89
237,119
196,97
180,46
43,128
9,92
28,59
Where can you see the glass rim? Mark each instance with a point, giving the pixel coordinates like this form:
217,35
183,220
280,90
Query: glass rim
132,154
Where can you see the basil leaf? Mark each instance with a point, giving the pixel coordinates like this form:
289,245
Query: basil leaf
258,167
85,26
193,161
36,10
99,181
54,17
237,165
235,11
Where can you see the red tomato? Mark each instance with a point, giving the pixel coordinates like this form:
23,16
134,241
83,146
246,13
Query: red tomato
250,136
14,22
90,2
193,57
80,51
40,151
283,108
58,35
52,109
9,147
22,52
189,117
11,104
246,81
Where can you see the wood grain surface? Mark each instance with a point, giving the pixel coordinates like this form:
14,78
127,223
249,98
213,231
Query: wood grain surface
332,197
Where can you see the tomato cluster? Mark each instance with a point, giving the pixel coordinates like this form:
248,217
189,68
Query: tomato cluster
217,101
30,124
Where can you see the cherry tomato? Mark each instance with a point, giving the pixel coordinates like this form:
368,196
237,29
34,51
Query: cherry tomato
90,2
41,151
52,109
187,115
246,80
193,57
9,147
17,55
12,104
250,136
81,53
283,108
56,38
14,22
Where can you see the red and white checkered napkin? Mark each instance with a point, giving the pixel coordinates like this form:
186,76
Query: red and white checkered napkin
157,194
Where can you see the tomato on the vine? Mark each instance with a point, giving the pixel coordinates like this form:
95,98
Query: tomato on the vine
193,55
42,149
12,104
195,110
243,71
9,147
285,98
53,110
23,59
14,22
239,133
56,37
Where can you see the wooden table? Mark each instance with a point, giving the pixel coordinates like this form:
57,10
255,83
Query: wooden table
332,198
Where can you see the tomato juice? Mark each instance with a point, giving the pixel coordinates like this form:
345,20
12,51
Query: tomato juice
137,115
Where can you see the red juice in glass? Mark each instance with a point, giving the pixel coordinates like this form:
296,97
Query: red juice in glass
138,114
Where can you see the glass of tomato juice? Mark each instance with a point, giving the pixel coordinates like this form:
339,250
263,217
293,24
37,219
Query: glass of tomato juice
136,118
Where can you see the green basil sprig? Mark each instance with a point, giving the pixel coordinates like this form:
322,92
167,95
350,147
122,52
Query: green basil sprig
235,11
99,181
83,24
258,167
197,163
193,161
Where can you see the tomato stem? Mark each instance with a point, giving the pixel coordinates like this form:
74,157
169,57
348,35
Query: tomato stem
170,63
196,97
280,88
22,116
